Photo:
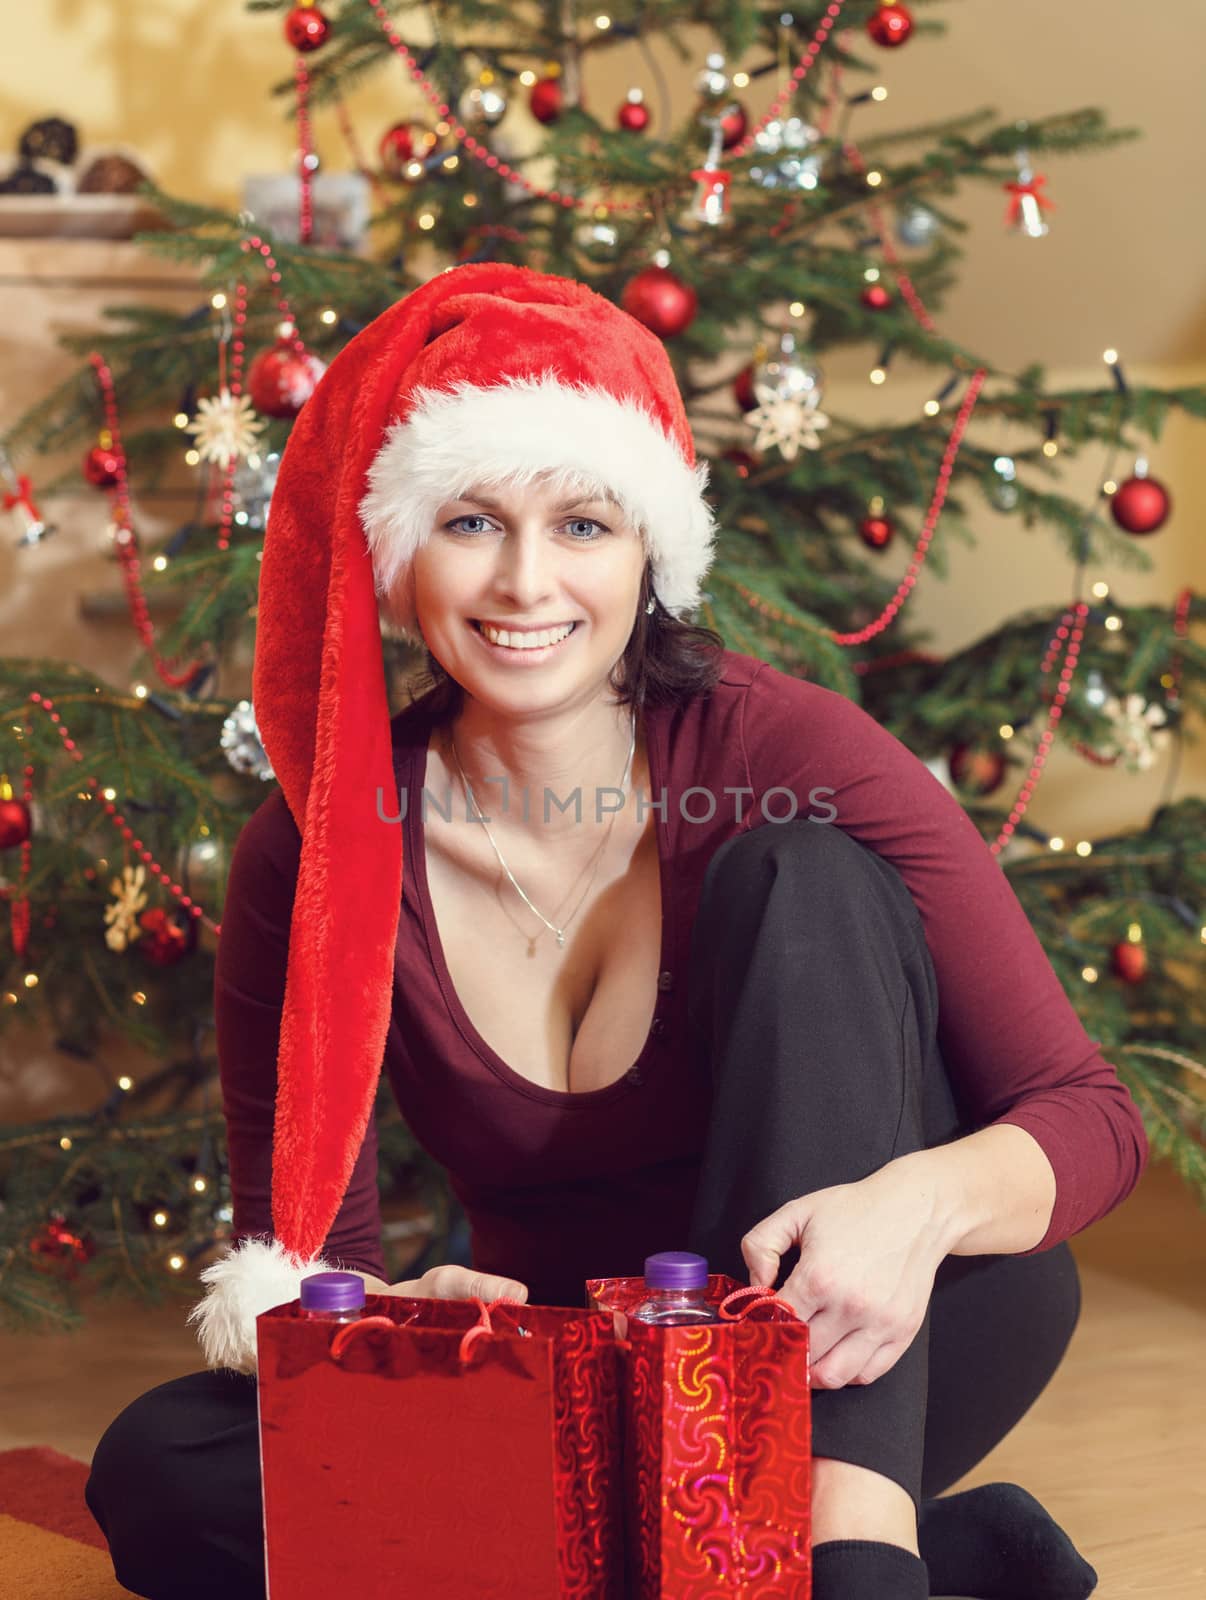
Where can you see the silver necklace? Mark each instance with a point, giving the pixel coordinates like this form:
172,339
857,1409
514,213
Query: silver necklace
558,933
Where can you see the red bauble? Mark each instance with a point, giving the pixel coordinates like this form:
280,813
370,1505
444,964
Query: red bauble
56,1249
733,124
877,532
978,772
891,25
306,28
633,115
743,388
1129,961
744,462
280,381
15,823
405,141
1140,505
547,100
164,942
875,297
663,302
101,466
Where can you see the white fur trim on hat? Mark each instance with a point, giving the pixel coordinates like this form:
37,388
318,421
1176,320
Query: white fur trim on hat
522,428
251,1278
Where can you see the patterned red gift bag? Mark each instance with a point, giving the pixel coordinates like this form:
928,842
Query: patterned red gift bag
432,1449
718,1459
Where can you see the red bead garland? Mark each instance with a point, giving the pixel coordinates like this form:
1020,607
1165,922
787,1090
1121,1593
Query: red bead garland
123,827
125,542
1071,628
305,219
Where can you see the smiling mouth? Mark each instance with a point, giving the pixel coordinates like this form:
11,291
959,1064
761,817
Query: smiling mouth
524,633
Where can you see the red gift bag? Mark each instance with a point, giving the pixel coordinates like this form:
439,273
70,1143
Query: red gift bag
718,1460
431,1449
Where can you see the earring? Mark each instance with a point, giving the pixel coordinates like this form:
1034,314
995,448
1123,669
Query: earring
650,606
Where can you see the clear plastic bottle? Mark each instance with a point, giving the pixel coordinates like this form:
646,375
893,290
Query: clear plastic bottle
677,1282
333,1296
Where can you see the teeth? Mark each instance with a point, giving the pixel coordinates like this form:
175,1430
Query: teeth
526,641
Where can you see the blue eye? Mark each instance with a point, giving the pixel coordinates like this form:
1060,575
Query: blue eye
590,523
475,516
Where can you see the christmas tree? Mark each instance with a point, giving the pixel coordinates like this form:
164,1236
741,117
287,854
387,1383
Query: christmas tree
757,244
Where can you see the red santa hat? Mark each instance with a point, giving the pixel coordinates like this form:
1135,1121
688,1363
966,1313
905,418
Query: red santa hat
487,375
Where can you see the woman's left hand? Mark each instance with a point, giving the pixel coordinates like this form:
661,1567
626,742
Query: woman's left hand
868,1254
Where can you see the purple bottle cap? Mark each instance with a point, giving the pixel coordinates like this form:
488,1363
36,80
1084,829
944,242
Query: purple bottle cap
676,1269
332,1291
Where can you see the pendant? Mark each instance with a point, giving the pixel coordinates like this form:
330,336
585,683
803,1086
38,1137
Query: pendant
560,940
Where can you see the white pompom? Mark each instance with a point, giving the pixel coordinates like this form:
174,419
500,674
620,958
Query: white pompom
251,1278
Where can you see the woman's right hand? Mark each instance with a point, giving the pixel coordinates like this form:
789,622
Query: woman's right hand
451,1282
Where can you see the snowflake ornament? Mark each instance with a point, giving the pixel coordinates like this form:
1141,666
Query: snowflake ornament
225,428
122,915
788,421
1137,728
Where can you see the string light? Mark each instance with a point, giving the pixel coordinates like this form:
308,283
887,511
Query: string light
139,997
328,315
181,419
31,980
125,1083
1100,590
176,1263
65,1142
160,1219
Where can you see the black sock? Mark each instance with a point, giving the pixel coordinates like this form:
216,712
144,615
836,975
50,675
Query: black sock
864,1569
998,1543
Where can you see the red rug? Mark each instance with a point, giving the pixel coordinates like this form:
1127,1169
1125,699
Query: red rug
50,1547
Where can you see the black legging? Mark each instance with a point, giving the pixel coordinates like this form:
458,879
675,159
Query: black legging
813,996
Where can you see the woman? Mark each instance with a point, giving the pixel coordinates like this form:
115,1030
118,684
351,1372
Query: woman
690,953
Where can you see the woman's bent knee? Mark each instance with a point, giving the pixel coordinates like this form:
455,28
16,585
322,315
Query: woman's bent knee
174,1487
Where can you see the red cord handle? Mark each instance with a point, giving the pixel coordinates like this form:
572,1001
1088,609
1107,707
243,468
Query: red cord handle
352,1330
763,1297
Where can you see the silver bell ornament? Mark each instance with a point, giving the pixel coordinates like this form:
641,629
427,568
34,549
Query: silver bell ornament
241,741
1002,484
713,81
483,102
916,225
788,157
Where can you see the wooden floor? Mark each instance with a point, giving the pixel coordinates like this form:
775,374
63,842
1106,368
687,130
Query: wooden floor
1115,1448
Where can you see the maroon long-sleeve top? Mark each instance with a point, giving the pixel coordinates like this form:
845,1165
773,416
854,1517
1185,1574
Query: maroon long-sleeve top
559,1187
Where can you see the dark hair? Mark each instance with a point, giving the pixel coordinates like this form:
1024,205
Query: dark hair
665,662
